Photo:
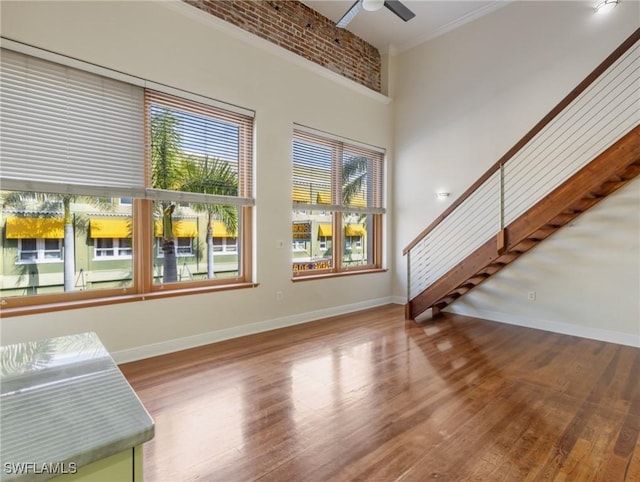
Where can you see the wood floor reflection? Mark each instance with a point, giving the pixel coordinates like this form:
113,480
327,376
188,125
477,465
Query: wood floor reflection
368,396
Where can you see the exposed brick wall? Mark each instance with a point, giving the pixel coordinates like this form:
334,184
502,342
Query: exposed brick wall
296,27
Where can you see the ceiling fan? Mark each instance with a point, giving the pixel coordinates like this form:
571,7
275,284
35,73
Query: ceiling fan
372,5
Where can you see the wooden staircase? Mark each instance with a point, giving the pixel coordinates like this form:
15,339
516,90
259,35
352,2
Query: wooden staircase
605,174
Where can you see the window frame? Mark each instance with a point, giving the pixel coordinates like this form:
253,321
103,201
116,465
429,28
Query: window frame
243,201
142,241
336,208
40,252
225,248
115,247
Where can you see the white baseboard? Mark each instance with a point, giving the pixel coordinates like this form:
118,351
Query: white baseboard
162,348
399,300
610,336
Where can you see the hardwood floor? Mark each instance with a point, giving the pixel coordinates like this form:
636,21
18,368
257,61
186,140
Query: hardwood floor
368,396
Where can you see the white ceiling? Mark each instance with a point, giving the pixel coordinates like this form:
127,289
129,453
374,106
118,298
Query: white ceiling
384,30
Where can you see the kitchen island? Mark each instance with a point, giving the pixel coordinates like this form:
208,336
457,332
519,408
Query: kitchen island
67,412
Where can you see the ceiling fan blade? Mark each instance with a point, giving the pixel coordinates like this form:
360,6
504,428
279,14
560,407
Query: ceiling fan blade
399,9
352,12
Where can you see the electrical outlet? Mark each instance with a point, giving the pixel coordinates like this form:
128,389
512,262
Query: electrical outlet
532,295
279,295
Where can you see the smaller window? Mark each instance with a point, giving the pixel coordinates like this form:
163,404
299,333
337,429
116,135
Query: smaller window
225,245
183,247
299,246
231,245
104,248
112,248
126,201
28,250
52,249
353,242
324,242
34,250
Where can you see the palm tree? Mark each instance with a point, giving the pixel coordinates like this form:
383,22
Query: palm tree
165,154
212,176
356,181
354,178
173,170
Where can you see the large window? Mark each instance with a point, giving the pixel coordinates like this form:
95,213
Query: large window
113,189
202,186
337,205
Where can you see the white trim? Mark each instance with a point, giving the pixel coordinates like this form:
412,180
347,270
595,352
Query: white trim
170,346
398,300
609,336
255,41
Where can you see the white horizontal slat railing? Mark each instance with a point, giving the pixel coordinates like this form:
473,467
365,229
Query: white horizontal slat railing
598,112
602,114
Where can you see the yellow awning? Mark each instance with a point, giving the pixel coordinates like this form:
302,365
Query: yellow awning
219,231
358,200
323,198
325,230
355,230
301,195
304,195
181,228
110,228
34,228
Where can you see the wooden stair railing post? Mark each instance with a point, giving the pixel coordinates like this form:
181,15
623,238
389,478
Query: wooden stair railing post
501,244
407,306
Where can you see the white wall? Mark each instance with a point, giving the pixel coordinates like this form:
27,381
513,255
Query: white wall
467,97
175,44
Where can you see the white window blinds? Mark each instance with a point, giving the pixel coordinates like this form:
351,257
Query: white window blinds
332,175
209,148
69,131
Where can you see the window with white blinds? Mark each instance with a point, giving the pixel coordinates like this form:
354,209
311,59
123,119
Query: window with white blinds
201,165
198,148
75,144
66,130
337,198
333,174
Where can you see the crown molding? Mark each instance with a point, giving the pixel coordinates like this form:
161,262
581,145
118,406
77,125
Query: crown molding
448,27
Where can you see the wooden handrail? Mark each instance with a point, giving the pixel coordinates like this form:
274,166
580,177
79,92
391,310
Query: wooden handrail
582,86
